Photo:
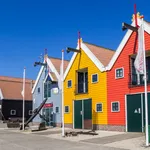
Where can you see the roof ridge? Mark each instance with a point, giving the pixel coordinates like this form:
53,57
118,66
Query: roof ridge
18,81
56,58
10,77
99,46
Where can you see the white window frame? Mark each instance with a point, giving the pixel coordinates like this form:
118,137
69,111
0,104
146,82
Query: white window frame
71,84
118,106
96,107
92,78
68,109
58,109
116,73
30,112
11,112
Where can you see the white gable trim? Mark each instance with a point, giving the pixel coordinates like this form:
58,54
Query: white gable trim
51,66
50,76
94,59
124,41
70,63
37,79
1,95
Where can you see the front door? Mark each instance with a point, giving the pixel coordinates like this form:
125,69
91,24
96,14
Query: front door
78,114
47,114
134,113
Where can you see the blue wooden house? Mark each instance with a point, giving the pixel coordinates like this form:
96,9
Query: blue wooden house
48,85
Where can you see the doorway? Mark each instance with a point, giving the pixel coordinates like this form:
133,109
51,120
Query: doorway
136,112
83,114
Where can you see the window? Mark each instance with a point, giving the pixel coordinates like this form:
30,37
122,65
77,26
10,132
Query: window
38,89
137,79
82,82
99,107
119,73
13,112
30,112
57,109
69,83
115,107
47,89
94,78
66,109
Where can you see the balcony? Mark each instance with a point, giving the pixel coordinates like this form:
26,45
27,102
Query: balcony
81,88
137,80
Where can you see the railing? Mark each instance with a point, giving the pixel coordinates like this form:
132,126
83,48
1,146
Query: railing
81,88
135,80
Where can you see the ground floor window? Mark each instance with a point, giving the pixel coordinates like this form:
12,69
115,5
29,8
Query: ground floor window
57,109
30,112
66,109
99,107
13,112
115,107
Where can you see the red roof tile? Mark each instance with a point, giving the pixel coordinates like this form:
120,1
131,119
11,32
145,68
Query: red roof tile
57,62
104,55
11,88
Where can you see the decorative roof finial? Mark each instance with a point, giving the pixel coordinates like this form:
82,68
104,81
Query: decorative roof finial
138,16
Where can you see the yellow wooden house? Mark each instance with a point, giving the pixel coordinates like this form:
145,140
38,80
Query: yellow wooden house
85,87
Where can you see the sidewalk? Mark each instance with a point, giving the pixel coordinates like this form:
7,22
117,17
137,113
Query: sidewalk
133,141
122,140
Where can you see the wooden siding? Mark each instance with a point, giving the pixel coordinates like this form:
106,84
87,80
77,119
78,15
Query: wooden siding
96,91
118,88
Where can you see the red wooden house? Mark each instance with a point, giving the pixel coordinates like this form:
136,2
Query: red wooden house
126,111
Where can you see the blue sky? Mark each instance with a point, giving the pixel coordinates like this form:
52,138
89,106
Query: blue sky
27,27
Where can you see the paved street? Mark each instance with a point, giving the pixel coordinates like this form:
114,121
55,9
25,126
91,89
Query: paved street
12,140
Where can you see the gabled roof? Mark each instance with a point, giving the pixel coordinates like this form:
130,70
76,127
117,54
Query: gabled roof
104,55
100,56
57,62
124,41
11,88
54,66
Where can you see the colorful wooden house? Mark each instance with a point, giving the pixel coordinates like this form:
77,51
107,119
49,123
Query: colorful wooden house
85,87
47,85
126,111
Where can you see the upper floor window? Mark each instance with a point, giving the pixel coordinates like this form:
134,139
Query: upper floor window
94,78
115,107
38,89
119,73
137,79
69,85
82,81
47,89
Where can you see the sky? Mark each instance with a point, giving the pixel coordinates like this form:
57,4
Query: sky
27,27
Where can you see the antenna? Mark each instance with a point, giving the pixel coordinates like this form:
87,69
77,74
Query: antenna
79,40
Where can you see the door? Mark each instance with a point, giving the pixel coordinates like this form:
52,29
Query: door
87,106
47,114
134,114
78,114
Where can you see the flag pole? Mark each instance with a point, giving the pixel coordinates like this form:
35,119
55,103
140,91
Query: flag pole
62,80
145,87
23,94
